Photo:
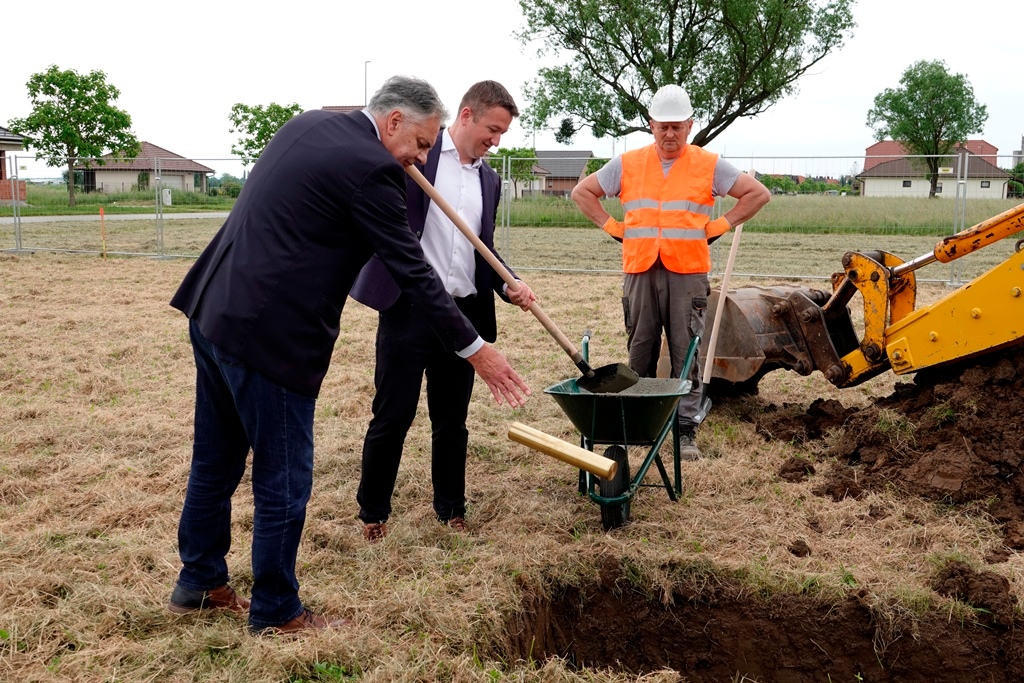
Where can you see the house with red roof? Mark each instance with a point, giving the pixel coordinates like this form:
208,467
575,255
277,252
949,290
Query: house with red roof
10,142
118,174
889,171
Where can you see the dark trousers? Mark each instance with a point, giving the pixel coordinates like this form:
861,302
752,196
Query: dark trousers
407,349
238,408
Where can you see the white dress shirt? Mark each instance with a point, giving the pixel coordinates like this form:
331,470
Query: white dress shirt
447,144
446,248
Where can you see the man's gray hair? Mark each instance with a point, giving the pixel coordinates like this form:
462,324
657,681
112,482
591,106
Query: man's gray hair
416,98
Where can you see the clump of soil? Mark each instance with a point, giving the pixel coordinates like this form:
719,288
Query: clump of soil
987,591
952,434
796,469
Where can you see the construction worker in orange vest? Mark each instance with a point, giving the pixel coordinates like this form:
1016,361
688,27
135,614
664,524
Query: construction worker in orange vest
668,191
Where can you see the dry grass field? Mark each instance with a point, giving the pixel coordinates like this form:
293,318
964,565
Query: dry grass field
96,392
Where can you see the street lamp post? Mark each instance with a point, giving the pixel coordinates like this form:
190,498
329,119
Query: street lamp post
366,100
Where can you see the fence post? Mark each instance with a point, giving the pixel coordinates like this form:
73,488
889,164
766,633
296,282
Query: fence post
506,213
959,213
159,210
15,208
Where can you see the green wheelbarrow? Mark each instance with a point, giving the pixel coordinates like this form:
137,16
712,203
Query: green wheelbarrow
642,415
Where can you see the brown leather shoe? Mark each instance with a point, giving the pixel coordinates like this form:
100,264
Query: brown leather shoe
184,600
458,524
307,621
375,531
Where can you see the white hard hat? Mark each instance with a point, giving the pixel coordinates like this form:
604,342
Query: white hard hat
670,103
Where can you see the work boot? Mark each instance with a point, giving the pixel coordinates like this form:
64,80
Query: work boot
688,443
374,531
307,621
185,600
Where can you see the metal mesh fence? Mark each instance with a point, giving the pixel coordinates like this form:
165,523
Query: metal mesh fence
821,208
143,206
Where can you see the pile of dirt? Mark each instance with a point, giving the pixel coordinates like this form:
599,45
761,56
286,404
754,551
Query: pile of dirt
953,434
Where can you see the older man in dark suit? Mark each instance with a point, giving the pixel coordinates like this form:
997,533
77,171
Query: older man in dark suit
264,301
406,348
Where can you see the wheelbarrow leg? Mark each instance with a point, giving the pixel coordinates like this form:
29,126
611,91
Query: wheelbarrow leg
584,479
676,459
615,514
664,478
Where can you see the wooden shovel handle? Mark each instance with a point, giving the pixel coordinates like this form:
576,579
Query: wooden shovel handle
493,260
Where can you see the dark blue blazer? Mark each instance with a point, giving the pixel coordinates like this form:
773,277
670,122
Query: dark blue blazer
324,196
377,289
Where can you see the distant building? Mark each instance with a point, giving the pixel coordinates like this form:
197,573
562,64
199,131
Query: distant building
124,175
1018,154
890,172
559,171
10,142
890,150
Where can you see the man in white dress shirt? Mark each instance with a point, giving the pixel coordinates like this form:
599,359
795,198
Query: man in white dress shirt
407,348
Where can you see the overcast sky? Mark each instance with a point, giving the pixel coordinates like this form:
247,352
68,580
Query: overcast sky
180,69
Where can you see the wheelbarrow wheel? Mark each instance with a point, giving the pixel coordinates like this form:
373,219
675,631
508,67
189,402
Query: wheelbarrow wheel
617,514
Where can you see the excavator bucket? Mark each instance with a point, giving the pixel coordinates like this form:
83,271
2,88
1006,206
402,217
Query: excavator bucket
771,328
804,329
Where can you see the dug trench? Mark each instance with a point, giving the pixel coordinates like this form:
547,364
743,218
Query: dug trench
951,435
721,632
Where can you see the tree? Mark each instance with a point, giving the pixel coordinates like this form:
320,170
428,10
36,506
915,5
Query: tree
521,160
73,119
257,124
735,59
931,113
594,165
1015,186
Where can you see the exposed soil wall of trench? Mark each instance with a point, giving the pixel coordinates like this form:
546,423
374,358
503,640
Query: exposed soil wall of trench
727,632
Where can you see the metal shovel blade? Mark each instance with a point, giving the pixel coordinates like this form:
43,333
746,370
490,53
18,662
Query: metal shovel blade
608,379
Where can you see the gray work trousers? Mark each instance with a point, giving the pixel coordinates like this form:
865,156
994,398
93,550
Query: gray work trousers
657,300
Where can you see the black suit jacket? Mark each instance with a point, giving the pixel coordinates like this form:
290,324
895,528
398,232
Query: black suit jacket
322,198
377,289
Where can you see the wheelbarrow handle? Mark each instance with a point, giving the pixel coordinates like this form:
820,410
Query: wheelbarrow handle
499,268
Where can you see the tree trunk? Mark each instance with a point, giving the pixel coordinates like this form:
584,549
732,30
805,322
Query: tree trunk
71,182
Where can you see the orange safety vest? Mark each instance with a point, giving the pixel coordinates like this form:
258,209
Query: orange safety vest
666,215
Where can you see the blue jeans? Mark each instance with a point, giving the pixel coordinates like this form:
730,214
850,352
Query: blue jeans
238,408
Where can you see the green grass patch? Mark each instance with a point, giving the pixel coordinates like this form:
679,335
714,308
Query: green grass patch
810,214
52,200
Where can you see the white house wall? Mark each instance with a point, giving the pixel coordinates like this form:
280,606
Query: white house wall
112,182
919,187
176,181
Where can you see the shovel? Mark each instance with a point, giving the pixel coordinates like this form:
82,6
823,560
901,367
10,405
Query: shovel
709,362
607,379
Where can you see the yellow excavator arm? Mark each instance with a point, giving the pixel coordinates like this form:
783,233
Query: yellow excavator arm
805,329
